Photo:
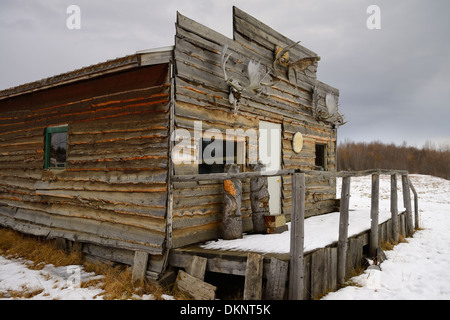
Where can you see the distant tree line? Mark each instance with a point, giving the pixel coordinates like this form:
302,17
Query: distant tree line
430,160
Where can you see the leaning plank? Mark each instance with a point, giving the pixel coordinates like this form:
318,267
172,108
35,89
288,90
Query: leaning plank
197,288
276,279
253,277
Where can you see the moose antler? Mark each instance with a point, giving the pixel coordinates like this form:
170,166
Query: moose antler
253,73
224,59
255,76
280,53
304,63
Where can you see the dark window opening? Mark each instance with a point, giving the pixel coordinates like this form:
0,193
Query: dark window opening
56,147
320,157
215,154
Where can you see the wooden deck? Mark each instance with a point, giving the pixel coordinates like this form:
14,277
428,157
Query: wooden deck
320,265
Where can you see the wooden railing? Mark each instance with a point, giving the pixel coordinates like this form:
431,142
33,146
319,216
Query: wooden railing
296,273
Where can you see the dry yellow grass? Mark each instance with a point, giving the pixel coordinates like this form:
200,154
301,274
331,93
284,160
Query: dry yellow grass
116,283
14,244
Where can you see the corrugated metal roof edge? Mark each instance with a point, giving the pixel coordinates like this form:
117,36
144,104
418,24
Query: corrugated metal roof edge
113,65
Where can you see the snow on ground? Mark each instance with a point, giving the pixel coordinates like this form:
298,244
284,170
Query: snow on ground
417,270
414,270
50,283
323,230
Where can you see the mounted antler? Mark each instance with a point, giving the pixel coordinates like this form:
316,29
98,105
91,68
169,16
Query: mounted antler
236,89
304,63
255,76
223,60
253,73
279,55
330,112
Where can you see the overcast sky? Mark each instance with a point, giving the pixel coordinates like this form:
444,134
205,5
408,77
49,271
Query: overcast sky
393,82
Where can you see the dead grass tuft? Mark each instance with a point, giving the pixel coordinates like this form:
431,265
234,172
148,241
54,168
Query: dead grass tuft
16,245
388,245
402,239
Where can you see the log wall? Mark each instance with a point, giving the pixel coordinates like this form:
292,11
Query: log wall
113,192
202,95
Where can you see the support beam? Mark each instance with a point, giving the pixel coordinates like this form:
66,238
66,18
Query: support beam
296,272
343,230
416,205
374,211
253,277
139,265
407,204
394,208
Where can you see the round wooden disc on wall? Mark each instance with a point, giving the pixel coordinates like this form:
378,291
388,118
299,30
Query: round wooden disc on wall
297,142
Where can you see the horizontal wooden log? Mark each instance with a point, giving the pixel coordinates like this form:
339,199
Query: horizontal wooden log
223,176
53,232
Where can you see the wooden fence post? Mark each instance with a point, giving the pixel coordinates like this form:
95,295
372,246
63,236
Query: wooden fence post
374,210
416,205
343,230
296,272
394,207
407,204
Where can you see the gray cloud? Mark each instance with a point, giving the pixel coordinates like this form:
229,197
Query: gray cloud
393,81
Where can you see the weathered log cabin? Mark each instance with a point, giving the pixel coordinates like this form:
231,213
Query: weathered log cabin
88,156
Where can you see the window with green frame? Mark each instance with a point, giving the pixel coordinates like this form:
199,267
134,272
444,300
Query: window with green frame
56,147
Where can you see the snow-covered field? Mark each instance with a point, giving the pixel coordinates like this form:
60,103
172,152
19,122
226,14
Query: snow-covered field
414,270
418,269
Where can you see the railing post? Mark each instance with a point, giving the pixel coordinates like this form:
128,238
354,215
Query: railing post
407,204
394,207
374,210
416,205
343,230
296,272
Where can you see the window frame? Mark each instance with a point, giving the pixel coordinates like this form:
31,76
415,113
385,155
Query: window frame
322,167
239,156
47,145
